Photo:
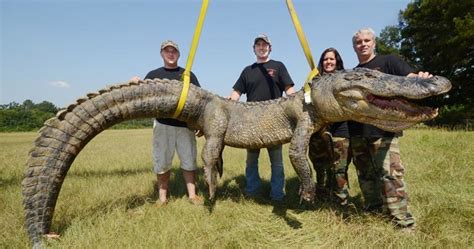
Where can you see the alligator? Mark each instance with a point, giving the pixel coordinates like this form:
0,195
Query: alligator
362,95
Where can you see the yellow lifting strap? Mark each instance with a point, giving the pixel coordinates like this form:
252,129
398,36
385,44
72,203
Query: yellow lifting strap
307,51
189,63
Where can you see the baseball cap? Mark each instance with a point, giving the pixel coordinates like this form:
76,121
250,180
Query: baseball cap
169,43
264,38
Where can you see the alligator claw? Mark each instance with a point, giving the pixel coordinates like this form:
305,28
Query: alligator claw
210,174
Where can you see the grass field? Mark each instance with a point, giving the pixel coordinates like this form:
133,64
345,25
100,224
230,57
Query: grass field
107,201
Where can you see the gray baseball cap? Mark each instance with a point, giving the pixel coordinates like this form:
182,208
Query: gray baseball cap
263,37
169,43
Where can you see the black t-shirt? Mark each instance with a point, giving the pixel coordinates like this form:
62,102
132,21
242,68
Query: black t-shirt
172,74
389,64
339,129
264,81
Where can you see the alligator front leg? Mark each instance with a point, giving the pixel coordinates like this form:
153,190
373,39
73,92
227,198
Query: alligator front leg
297,152
214,131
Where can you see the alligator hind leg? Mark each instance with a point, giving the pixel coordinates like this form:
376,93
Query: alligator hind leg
213,163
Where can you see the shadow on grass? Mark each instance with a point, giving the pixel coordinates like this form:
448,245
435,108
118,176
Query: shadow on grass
100,209
108,173
131,202
231,189
10,181
234,189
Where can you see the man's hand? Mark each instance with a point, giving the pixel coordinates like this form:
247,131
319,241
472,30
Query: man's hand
135,79
234,95
421,75
290,91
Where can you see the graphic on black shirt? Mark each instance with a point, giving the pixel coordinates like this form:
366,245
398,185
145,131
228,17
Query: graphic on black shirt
263,81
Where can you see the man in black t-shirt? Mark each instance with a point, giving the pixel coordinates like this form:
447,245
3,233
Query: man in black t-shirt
264,80
170,135
376,153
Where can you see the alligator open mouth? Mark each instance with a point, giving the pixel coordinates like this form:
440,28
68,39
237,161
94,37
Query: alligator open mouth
403,105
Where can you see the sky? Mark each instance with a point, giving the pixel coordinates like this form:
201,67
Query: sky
60,50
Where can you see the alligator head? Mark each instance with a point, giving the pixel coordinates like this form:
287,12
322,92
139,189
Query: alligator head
369,96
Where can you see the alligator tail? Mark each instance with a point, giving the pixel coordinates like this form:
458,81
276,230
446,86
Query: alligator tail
64,136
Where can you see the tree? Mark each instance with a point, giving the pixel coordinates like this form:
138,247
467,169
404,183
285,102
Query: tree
389,41
46,106
28,104
438,36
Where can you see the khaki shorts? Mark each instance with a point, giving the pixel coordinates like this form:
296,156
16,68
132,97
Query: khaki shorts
167,139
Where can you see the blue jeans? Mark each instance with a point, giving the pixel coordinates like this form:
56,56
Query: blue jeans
277,181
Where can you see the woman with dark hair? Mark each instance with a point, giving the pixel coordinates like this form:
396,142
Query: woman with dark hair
330,61
328,148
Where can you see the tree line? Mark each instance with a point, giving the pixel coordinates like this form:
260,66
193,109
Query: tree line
29,116
26,116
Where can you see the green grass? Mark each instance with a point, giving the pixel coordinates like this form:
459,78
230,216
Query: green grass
107,200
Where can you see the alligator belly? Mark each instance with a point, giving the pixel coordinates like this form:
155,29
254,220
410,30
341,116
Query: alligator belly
256,137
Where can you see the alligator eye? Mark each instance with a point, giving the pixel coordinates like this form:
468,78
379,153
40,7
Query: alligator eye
352,76
370,75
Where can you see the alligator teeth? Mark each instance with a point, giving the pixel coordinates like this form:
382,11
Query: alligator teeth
362,104
352,94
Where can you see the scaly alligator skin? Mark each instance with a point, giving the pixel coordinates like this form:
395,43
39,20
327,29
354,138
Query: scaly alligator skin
362,95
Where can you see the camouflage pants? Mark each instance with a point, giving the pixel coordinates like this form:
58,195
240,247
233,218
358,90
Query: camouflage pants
380,172
330,160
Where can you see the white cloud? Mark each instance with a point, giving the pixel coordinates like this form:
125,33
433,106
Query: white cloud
60,84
